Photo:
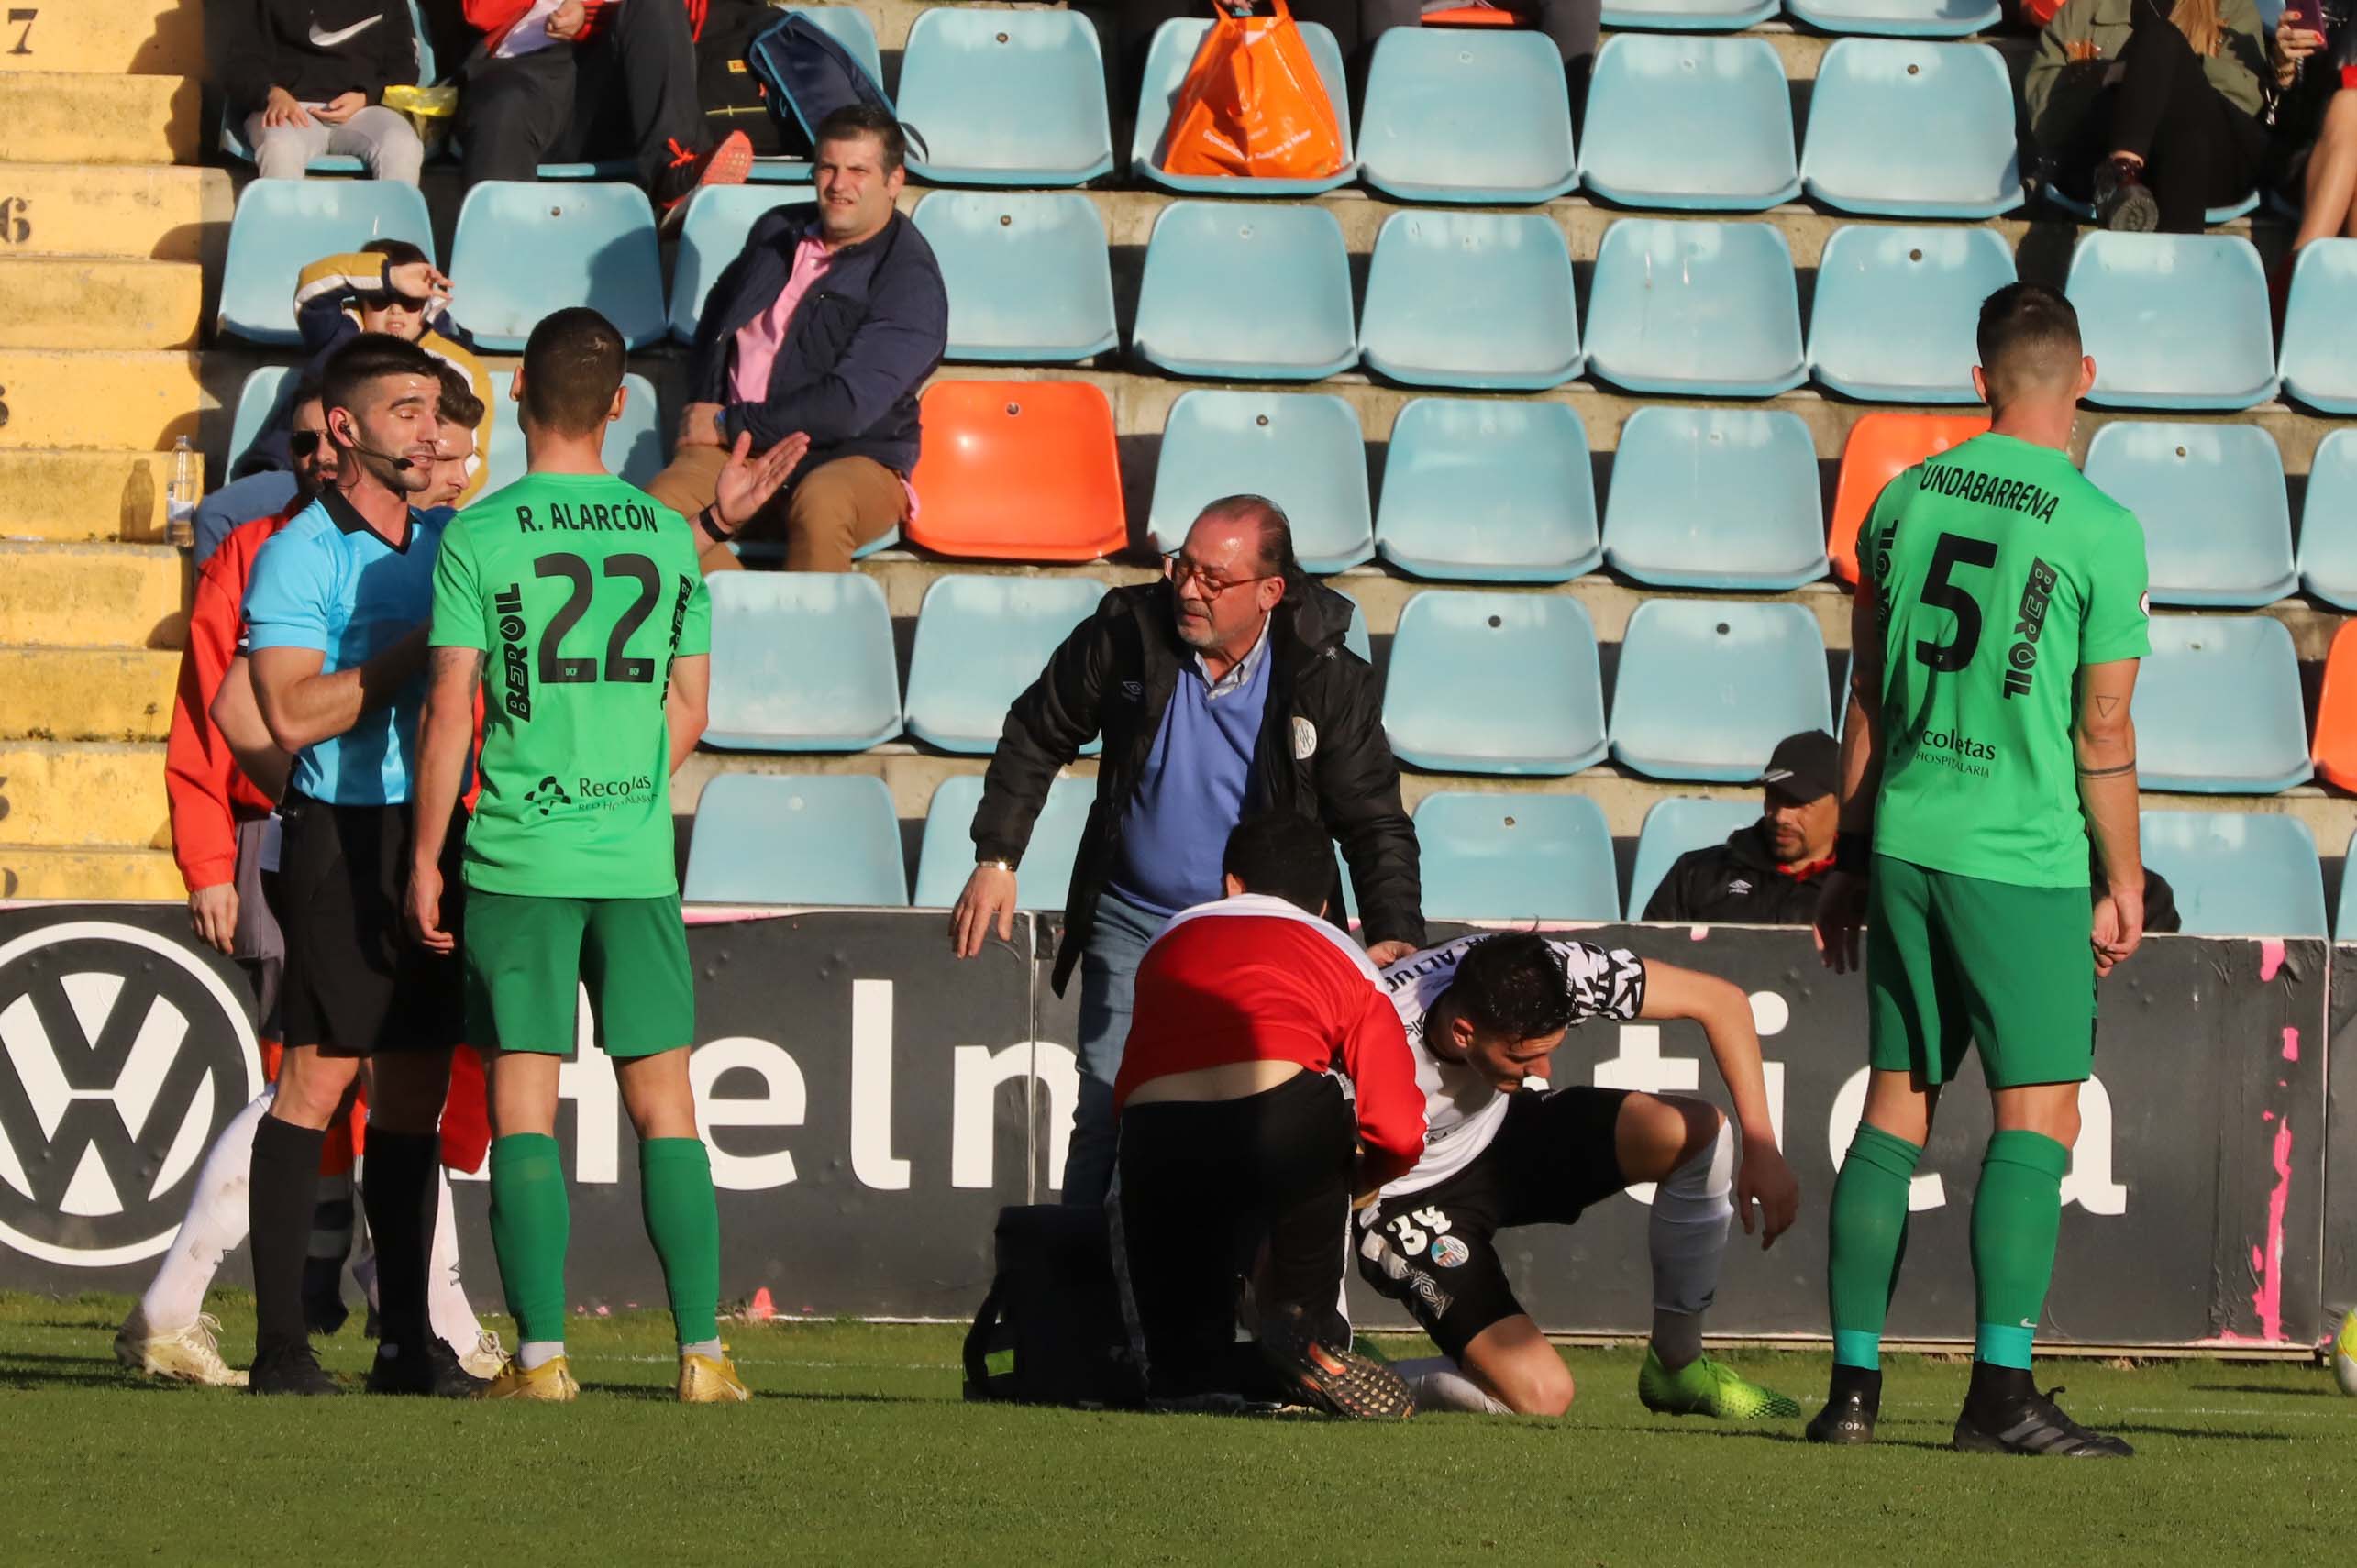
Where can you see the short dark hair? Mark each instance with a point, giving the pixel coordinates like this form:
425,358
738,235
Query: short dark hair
459,404
572,366
1284,855
372,357
396,252
305,391
1512,985
1276,557
2029,334
855,120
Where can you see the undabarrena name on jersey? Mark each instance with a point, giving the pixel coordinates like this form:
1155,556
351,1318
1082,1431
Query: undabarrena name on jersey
589,517
1990,490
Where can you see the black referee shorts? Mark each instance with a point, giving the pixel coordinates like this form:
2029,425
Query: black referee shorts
355,984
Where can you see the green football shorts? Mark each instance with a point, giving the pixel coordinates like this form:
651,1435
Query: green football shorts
1953,961
527,958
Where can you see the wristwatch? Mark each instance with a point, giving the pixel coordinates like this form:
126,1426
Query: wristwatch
1006,865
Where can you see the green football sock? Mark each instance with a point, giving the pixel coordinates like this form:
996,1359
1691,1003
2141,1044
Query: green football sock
2016,1215
530,1225
683,1221
1869,1237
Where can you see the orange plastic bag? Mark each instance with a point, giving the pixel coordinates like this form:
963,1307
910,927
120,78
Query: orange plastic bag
1254,106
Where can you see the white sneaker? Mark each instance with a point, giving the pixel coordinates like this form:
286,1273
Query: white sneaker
187,1355
486,1358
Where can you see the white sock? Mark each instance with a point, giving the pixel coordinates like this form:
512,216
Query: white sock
1439,1385
446,1297
214,1224
708,1348
1687,1238
533,1355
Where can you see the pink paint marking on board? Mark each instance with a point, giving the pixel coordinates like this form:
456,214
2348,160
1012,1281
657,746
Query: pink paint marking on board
2291,1044
2270,958
2267,1262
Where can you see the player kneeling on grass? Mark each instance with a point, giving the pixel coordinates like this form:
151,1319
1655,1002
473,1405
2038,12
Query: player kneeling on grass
1484,1015
574,600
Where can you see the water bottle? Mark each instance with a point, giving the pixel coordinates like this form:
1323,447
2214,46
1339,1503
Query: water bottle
180,501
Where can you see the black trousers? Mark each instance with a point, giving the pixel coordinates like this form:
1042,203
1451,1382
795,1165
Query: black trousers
630,91
2200,150
1200,1187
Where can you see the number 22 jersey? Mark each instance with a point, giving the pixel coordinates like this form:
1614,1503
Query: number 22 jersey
1998,571
580,590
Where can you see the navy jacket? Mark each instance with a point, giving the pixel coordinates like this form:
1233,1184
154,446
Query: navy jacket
860,345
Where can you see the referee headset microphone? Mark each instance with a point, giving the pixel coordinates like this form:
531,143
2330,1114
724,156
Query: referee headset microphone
368,358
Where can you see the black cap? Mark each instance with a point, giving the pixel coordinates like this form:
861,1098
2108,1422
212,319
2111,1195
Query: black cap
1806,765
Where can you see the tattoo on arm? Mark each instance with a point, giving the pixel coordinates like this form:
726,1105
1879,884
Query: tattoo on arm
2127,767
2104,705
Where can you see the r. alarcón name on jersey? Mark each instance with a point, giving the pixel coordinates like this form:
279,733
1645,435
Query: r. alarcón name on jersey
589,517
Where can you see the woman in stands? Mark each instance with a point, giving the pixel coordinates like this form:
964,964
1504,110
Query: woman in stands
306,78
2315,120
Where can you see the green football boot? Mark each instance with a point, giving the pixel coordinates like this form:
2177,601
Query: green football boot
1707,1388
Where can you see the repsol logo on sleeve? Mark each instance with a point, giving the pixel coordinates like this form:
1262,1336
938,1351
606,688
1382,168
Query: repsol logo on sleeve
509,602
1988,489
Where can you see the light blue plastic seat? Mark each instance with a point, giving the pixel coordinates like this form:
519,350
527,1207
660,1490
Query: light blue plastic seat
587,169
633,444
2328,521
1005,98
1725,499
2344,925
1518,858
1476,300
946,857
1168,61
2173,320
1695,310
1675,826
1489,490
1029,278
1302,450
1246,294
1495,683
1899,18
1355,638
2218,523
1706,686
719,220
2219,709
802,661
1687,123
980,640
2321,327
523,249
283,225
2238,873
1467,114
1687,16
1901,128
1898,310
258,401
783,838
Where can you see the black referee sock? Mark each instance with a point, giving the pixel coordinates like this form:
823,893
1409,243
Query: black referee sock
280,1194
397,1188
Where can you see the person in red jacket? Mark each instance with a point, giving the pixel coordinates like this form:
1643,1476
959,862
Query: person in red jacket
1238,1135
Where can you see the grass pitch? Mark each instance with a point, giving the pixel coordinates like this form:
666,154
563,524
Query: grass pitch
858,1449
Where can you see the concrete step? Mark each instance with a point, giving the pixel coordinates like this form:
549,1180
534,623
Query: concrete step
85,795
87,302
106,37
83,596
72,495
134,402
86,694
48,116
144,874
155,212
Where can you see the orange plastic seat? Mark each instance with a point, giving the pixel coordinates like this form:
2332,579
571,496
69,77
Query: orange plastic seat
1882,446
1472,16
1019,471
2335,751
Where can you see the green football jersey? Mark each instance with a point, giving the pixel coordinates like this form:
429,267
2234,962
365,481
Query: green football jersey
1998,571
580,590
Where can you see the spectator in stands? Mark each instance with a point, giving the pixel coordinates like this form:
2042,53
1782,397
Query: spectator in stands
457,468
280,492
565,81
1769,872
306,78
2315,60
2150,113
825,325
1221,687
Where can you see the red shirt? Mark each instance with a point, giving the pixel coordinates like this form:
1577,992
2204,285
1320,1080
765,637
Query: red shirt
1253,978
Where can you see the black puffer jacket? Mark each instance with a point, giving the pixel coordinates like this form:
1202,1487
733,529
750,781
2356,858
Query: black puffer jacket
1322,752
1734,883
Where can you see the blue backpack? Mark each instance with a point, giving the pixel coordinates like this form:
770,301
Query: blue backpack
808,75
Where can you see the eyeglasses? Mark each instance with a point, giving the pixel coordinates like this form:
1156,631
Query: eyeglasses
303,443
1179,570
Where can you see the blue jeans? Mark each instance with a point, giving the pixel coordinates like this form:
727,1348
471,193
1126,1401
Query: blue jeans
1107,987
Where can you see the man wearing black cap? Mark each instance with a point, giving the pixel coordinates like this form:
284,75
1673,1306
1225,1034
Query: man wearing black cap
1767,872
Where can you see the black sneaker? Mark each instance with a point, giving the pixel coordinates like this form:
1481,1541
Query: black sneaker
2032,1423
291,1369
437,1371
1339,1382
2123,202
1852,1407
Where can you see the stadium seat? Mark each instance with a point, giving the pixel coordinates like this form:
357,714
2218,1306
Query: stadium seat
1495,683
1246,294
945,859
1675,826
1168,61
783,838
1020,471
1687,15
1691,124
2328,522
1706,686
1898,310
1489,490
1481,301
719,219
980,640
634,443
1356,636
1880,447
2238,873
1005,98
1695,310
802,661
1303,450
1028,274
523,249
1899,19
1726,500
2173,320
2218,709
2335,752
2217,523
1908,129
2321,327
2344,925
1516,857
258,401
283,225
1467,117
848,25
